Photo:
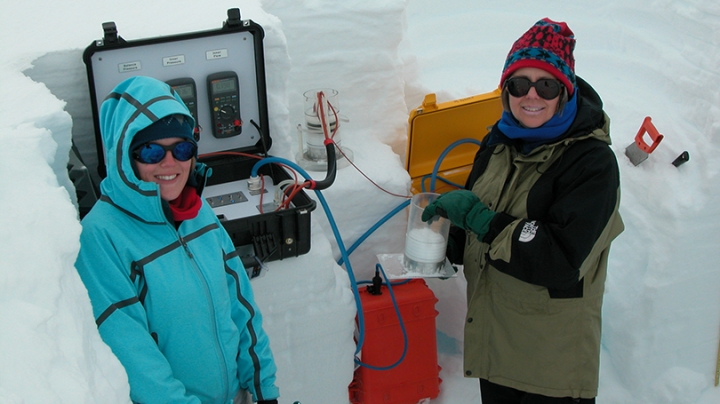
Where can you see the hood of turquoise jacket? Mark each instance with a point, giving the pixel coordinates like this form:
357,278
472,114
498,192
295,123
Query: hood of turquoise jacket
133,105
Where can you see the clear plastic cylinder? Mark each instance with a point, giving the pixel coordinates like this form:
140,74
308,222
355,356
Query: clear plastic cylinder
425,242
321,103
321,109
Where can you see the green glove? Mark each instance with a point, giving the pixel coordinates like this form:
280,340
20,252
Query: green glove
464,209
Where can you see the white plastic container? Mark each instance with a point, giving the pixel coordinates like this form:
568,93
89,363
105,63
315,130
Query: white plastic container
425,242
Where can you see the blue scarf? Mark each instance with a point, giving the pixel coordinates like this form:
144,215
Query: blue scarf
552,129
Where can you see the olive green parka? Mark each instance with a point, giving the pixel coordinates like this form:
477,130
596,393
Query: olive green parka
535,282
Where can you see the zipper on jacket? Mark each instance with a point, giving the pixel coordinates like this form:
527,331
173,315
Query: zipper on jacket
185,246
213,319
211,309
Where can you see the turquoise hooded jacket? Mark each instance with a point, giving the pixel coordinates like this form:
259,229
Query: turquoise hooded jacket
174,305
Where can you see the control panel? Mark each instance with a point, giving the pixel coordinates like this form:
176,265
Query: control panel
234,200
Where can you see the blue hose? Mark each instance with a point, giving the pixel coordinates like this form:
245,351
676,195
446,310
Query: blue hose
402,327
338,238
344,254
442,157
372,229
445,180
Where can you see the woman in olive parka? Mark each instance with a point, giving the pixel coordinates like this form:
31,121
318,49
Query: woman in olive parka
533,230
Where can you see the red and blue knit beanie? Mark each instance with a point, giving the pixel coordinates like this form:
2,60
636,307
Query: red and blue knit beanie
547,45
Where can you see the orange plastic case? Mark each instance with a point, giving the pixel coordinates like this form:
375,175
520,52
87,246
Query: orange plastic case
432,127
417,376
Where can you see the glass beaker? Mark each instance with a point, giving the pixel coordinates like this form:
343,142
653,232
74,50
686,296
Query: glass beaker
322,119
425,242
321,104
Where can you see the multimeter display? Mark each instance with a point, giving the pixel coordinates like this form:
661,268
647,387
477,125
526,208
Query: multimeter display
185,91
224,99
185,88
224,86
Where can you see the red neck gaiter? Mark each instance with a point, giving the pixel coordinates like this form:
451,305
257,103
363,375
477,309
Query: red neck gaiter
186,206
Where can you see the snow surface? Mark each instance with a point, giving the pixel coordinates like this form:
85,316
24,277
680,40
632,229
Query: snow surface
645,58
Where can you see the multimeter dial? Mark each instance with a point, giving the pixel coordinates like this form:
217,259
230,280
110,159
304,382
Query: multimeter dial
226,111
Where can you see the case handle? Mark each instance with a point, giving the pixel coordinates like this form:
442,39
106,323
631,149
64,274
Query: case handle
111,32
233,19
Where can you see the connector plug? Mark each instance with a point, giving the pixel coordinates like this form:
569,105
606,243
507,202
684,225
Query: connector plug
278,197
376,287
254,185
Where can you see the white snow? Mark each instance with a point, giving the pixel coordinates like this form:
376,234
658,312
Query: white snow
658,58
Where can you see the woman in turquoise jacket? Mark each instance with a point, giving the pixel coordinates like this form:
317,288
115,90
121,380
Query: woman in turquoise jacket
169,293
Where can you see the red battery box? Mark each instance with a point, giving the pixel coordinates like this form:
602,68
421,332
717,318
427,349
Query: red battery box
417,376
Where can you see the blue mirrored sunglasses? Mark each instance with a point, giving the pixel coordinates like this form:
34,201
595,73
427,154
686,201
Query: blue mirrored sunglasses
153,153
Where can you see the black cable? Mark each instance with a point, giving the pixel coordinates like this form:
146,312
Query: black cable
331,168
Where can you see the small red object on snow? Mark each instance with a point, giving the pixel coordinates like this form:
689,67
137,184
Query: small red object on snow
639,150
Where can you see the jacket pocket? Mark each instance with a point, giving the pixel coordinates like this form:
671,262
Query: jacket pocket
570,293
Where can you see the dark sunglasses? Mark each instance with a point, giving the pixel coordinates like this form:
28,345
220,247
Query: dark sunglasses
546,88
153,153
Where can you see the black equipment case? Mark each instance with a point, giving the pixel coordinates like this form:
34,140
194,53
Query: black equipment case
220,75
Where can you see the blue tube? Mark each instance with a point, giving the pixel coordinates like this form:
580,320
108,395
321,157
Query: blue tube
372,229
278,160
402,328
400,207
338,238
344,254
442,179
442,157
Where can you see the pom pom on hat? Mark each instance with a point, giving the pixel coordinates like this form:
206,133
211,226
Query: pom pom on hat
547,45
169,126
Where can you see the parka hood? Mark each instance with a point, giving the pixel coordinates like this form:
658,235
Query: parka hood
591,117
134,104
